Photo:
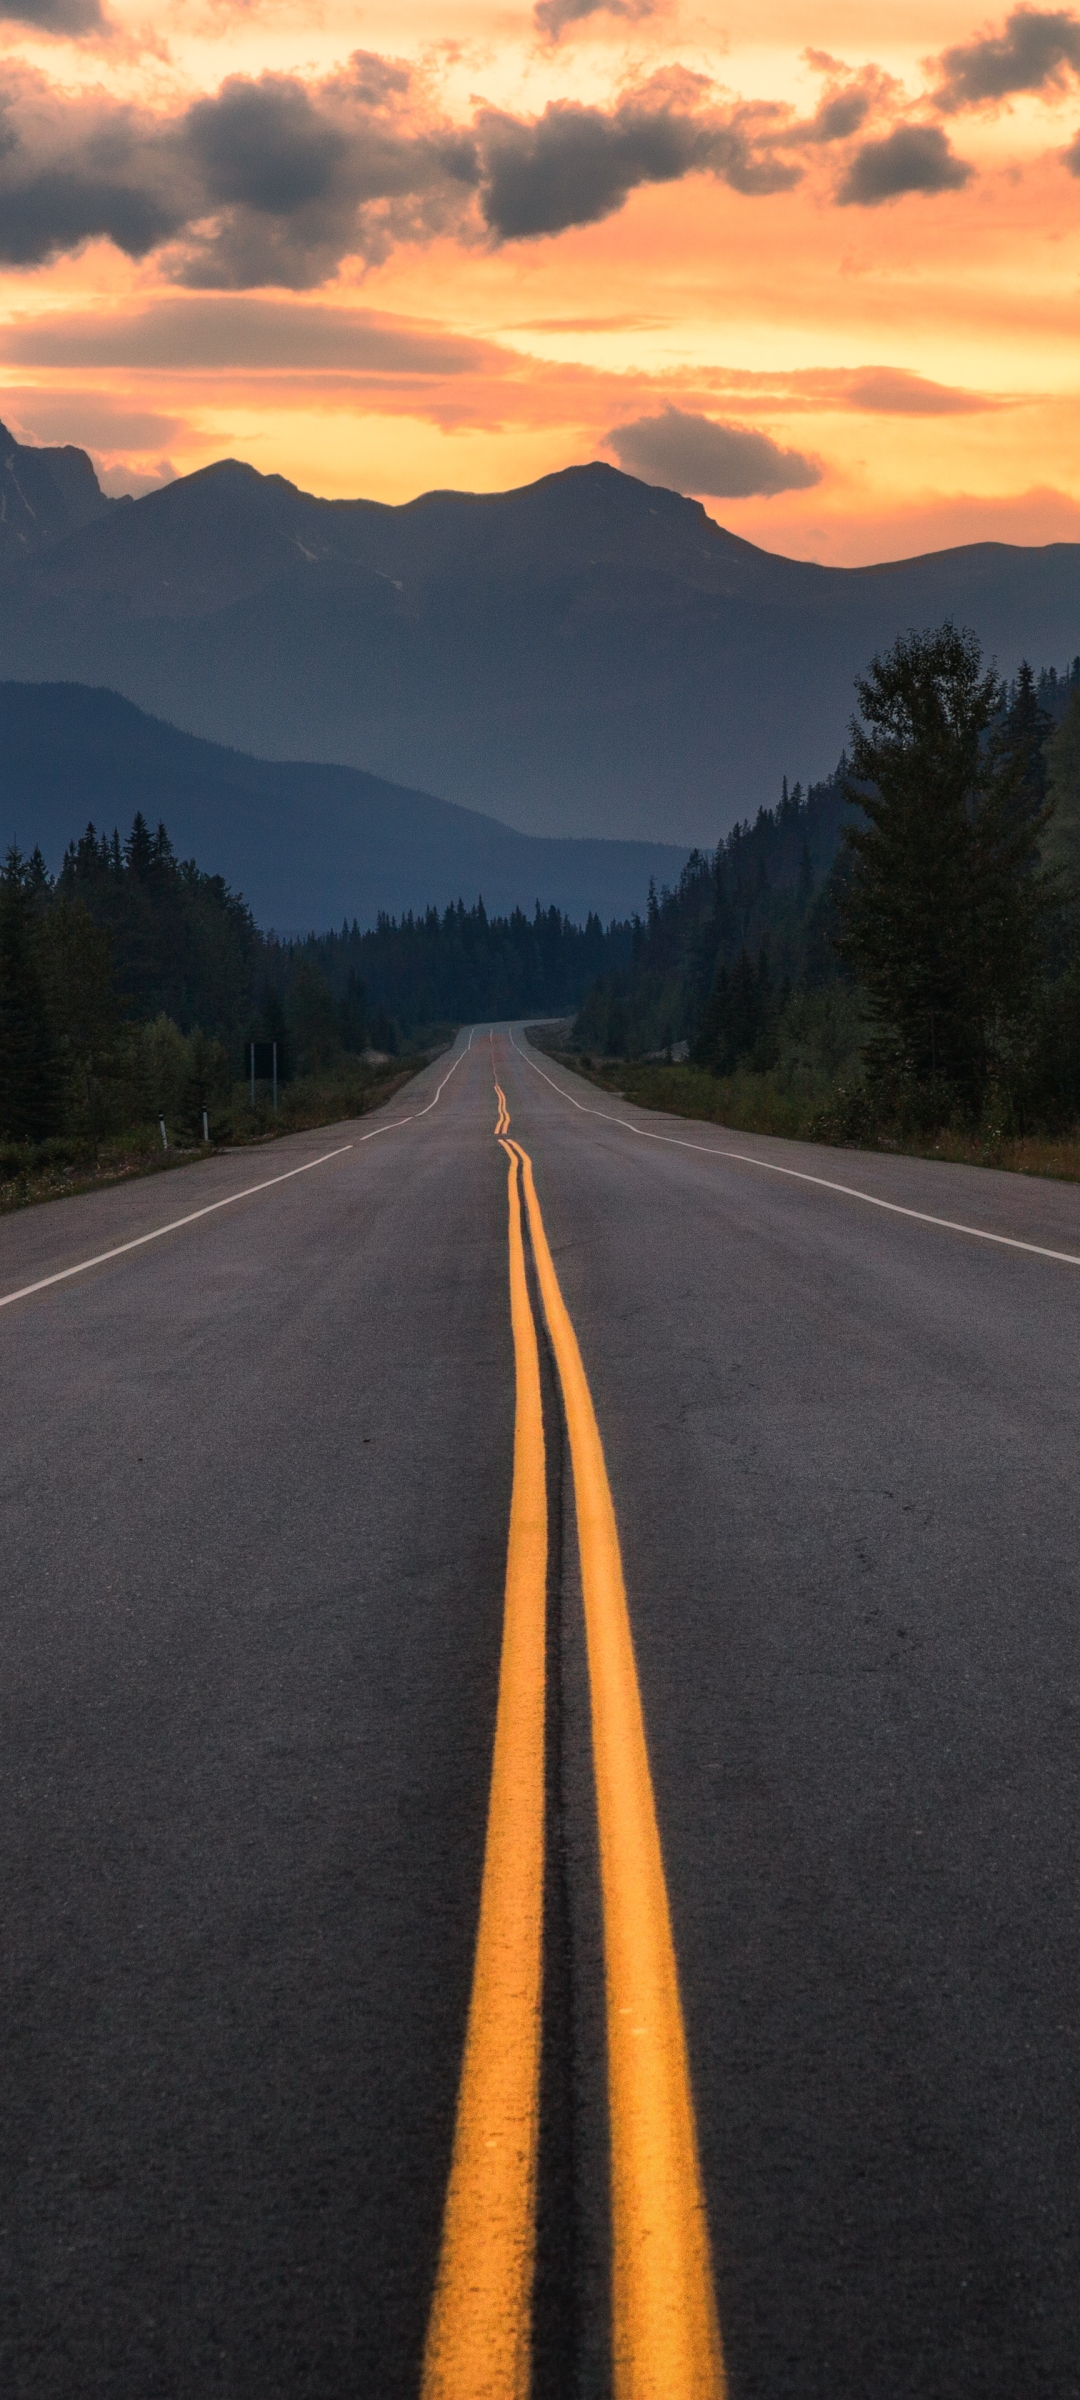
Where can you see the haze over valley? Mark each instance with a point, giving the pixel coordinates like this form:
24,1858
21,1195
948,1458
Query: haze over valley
591,656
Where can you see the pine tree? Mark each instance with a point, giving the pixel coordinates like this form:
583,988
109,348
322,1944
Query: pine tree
139,849
942,912
352,1014
29,1065
1061,840
1020,744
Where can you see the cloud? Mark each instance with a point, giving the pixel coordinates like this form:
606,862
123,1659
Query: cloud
124,482
270,181
1032,55
913,158
89,419
845,104
576,164
874,390
64,17
551,17
894,392
839,115
233,332
691,453
301,177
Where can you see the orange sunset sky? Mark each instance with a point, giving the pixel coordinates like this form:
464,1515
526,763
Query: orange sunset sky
818,265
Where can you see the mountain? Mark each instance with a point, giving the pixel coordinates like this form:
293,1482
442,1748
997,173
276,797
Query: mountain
307,845
44,494
587,655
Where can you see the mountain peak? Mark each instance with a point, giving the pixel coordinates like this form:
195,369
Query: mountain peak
588,654
44,495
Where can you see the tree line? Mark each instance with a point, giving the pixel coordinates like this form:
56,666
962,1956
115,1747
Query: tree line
132,982
925,901
919,909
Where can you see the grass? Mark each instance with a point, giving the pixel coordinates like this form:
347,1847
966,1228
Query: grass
808,1107
32,1172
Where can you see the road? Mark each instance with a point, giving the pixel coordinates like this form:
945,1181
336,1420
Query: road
258,1478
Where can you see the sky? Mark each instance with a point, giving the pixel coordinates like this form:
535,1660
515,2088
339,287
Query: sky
816,265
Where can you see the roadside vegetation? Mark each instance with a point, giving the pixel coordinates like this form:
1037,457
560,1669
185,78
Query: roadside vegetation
133,984
893,959
80,1162
889,959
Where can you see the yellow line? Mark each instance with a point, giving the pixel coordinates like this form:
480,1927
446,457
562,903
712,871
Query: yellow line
479,2336
769,1166
665,2334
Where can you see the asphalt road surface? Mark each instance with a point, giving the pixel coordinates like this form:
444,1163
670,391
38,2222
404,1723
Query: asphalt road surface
257,1479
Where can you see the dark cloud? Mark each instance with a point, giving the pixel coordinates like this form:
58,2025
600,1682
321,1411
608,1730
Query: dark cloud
1071,156
305,176
271,181
75,170
845,104
913,158
233,332
691,453
575,164
65,17
55,208
839,116
265,145
551,17
1033,54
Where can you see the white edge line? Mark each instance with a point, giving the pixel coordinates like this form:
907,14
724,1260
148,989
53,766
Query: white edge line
742,1158
8,1299
84,1265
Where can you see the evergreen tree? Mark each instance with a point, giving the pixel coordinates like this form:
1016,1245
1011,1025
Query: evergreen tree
274,1027
1061,840
75,956
738,1028
30,1098
1020,743
711,1044
352,1015
139,849
942,913
312,1018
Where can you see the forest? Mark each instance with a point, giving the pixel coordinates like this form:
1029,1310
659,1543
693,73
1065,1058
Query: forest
133,983
897,948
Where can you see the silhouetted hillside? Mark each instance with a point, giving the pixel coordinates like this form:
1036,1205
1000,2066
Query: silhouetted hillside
306,845
588,655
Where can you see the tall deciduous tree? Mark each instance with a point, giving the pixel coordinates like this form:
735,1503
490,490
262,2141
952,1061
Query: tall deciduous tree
941,918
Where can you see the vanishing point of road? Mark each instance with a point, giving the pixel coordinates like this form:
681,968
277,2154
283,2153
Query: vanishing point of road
540,1767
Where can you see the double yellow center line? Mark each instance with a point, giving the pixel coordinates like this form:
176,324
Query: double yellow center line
665,2335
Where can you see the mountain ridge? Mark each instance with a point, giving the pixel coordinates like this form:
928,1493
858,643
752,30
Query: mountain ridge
304,842
587,655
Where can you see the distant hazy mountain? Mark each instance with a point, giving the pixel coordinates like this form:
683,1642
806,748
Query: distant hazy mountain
307,845
585,656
